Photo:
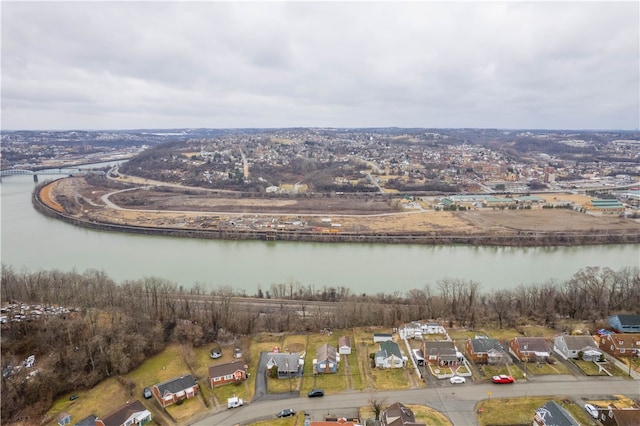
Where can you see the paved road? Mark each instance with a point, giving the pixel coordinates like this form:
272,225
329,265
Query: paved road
457,402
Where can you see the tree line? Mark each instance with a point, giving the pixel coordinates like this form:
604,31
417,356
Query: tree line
113,327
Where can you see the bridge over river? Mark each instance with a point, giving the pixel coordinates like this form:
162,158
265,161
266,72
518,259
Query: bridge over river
46,172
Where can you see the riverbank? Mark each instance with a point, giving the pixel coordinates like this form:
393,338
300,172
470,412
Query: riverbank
90,207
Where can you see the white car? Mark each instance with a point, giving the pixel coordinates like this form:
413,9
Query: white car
592,410
457,380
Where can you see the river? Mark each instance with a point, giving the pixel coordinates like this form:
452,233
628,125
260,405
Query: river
32,242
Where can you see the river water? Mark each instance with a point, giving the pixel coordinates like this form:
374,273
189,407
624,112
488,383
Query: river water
32,242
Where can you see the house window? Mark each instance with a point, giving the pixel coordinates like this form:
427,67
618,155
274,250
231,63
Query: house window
228,377
217,379
622,350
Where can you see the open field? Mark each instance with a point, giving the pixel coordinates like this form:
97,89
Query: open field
186,208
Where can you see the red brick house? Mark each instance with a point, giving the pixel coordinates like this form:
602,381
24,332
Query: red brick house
231,372
529,349
174,390
486,351
627,344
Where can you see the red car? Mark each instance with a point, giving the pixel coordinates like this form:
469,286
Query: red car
502,379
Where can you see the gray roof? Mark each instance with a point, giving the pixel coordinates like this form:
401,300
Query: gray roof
390,348
286,362
629,319
326,352
554,415
227,368
484,345
176,384
440,348
119,416
577,343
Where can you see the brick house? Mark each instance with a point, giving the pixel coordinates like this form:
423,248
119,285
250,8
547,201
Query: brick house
231,372
441,352
174,390
530,348
486,351
621,344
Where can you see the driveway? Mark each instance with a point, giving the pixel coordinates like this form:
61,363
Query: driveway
261,393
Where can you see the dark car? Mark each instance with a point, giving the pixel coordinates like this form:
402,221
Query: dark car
315,393
287,412
146,392
74,397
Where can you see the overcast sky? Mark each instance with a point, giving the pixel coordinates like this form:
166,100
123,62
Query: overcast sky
125,65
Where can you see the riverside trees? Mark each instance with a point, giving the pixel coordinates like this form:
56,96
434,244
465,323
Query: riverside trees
111,328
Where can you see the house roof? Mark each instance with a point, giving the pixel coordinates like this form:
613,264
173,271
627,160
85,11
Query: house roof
344,341
533,344
629,340
484,345
577,343
399,415
390,348
119,416
326,352
439,348
626,416
176,384
286,362
90,420
227,368
629,320
553,414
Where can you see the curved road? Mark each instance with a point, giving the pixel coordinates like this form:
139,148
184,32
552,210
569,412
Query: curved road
456,401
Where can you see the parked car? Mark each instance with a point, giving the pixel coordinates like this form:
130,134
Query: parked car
146,392
592,410
74,397
235,402
237,353
457,380
315,393
287,412
503,378
216,353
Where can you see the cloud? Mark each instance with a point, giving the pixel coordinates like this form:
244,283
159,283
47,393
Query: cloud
281,64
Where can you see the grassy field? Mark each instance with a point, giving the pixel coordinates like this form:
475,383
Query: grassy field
520,411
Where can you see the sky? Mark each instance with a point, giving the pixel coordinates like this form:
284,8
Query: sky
202,64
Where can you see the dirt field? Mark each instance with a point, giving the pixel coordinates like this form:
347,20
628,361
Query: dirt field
155,208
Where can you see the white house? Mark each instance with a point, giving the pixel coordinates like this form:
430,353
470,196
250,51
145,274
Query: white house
572,346
389,356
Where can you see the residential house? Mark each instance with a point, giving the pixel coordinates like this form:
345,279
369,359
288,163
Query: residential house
174,390
230,372
621,344
552,414
133,413
576,347
530,348
433,328
344,345
288,364
389,356
487,351
64,419
398,415
620,416
442,352
90,420
326,359
625,323
382,337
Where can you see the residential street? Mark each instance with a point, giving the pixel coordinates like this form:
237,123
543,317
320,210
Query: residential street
457,402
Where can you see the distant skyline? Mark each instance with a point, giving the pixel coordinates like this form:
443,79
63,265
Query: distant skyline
136,65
